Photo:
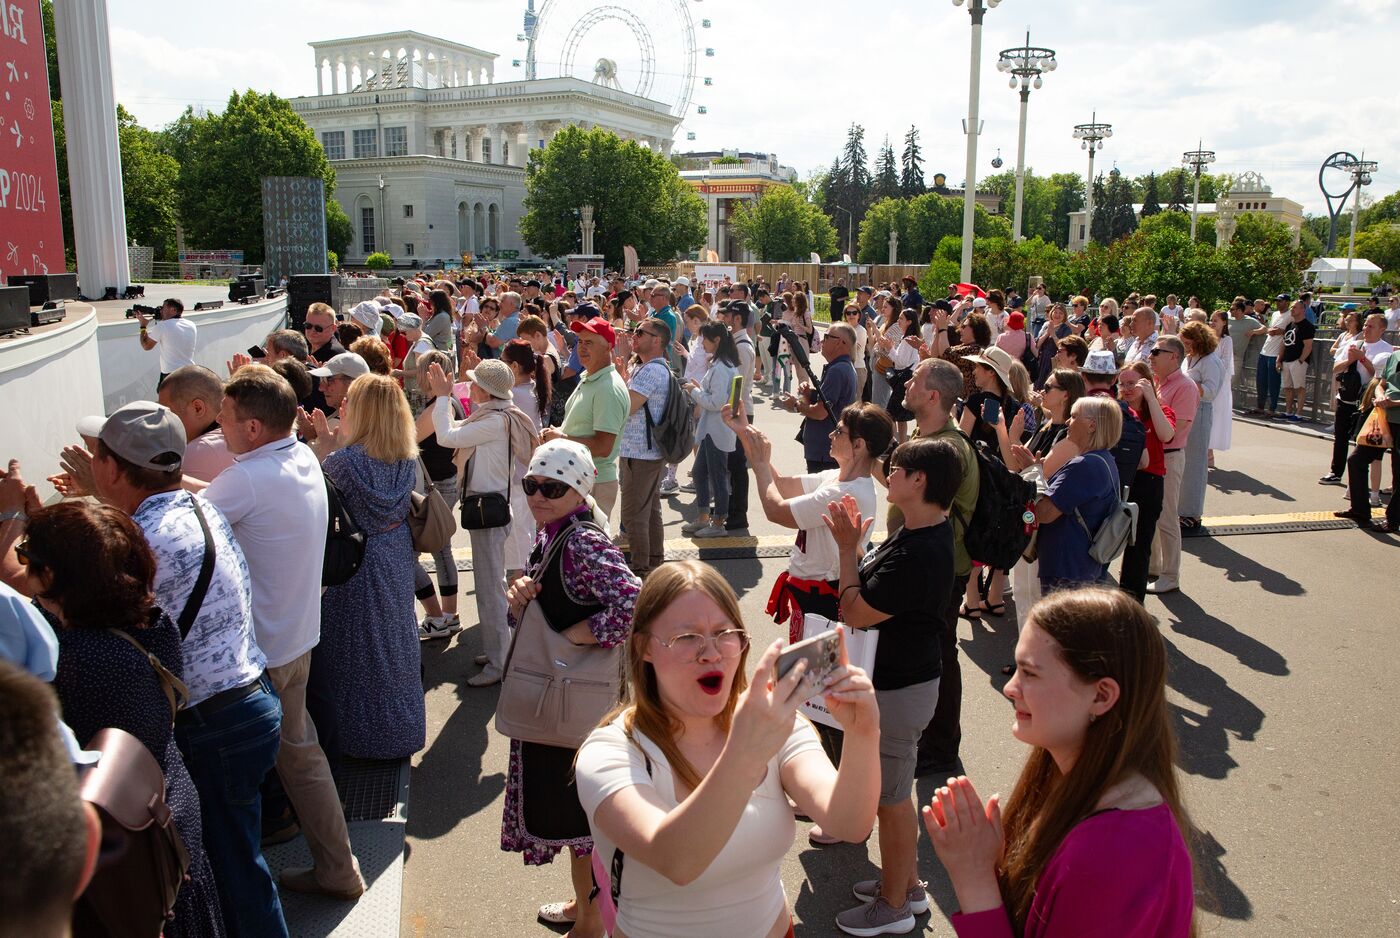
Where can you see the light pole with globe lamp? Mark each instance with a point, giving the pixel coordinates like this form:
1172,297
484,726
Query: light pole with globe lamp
1361,171
1196,160
1091,137
1025,63
977,9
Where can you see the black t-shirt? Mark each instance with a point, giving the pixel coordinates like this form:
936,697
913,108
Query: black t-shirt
838,295
328,351
910,578
1294,335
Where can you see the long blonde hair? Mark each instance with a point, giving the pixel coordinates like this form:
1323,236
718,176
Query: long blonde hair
377,417
641,707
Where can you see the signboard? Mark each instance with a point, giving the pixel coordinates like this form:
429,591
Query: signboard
586,265
294,226
31,227
207,265
710,276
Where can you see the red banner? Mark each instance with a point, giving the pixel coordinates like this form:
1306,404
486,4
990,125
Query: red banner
31,227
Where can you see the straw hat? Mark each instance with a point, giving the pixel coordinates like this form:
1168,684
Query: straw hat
494,377
997,359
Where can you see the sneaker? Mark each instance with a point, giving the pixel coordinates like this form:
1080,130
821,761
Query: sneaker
1330,479
690,527
1294,418
1375,499
876,918
1163,585
434,627
917,897
717,530
687,486
453,620
741,531
668,488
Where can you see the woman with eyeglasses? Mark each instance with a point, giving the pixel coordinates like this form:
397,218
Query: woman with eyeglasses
687,783
586,593
851,316
1047,343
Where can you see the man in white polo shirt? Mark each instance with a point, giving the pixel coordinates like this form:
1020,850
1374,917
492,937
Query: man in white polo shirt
175,335
274,496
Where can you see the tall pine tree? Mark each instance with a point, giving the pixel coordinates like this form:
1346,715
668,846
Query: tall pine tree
886,184
911,173
1101,225
855,171
1150,203
1120,194
1177,202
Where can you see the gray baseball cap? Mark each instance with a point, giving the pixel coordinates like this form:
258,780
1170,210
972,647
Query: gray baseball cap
346,363
143,433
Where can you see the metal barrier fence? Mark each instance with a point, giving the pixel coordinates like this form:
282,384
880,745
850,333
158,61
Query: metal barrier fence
348,291
1319,403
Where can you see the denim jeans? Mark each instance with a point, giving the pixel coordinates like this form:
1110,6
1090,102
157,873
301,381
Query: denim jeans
1267,382
712,479
228,753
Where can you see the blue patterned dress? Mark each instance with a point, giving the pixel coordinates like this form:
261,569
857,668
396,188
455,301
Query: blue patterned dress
368,661
594,573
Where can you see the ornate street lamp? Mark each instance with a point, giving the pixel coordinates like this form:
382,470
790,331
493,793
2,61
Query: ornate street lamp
1025,64
1091,137
1361,172
1196,160
977,9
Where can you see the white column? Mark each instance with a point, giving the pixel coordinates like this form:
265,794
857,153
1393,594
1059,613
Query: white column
94,156
532,141
335,74
490,74
320,84
498,144
666,146
477,134
972,130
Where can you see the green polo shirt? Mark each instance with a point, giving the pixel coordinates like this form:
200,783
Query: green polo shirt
600,403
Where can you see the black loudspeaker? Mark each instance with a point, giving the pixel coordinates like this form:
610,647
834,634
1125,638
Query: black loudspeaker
14,309
305,289
45,287
250,288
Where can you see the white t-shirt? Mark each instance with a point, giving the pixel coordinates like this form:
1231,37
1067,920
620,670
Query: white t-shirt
1273,344
858,354
1392,319
1376,353
741,891
175,340
815,557
275,499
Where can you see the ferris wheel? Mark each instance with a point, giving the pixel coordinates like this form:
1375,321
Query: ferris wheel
642,47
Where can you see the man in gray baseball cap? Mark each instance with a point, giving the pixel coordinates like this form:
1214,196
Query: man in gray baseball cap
336,376
143,434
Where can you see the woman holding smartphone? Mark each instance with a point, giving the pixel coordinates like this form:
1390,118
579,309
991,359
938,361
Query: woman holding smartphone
715,440
1091,841
686,785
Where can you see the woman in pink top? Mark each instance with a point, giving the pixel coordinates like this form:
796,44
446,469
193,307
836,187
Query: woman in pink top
1090,843
1013,340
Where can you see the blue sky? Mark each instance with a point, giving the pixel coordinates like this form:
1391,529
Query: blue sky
1273,86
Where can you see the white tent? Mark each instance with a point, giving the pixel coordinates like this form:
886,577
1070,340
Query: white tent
1332,271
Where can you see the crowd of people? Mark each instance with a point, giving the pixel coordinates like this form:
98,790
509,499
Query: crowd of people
202,536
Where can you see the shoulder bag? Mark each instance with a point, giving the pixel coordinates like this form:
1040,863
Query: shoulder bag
430,517
489,509
555,692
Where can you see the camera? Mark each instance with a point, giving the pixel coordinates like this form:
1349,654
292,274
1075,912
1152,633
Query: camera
136,308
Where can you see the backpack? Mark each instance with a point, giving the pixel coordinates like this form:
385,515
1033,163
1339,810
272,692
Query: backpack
1117,531
1000,527
345,542
1127,453
674,433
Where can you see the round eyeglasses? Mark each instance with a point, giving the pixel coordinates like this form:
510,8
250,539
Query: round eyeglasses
688,646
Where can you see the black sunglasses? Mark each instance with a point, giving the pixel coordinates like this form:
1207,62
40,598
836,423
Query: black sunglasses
1159,351
552,488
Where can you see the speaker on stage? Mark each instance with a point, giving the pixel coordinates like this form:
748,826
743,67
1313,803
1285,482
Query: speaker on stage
14,309
305,289
246,288
46,287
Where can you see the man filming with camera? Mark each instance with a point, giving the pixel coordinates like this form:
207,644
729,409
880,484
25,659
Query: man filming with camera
167,329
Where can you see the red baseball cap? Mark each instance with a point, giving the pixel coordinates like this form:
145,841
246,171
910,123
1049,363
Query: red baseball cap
1016,321
598,326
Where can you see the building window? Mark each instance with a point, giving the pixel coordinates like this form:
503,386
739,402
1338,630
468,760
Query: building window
396,141
485,149
505,152
1081,232
367,228
366,144
333,142
408,248
408,211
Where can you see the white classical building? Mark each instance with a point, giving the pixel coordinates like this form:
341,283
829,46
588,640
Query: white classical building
724,178
429,150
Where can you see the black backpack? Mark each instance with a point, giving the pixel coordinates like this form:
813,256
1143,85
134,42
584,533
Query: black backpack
674,434
997,533
1128,452
345,542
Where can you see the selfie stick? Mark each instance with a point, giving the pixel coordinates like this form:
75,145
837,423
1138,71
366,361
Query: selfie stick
799,352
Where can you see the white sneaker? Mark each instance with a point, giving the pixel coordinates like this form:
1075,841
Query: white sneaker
668,488
690,527
712,530
434,627
1375,499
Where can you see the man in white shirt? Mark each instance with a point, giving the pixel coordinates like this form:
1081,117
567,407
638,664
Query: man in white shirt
1144,336
1268,381
274,496
173,334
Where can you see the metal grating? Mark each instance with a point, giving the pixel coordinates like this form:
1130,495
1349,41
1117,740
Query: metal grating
373,790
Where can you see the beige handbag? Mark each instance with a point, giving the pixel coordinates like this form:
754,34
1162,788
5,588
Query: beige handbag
430,517
555,692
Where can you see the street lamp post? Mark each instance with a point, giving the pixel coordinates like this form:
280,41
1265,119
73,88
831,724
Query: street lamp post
977,9
384,216
1025,63
1091,137
1196,160
1361,171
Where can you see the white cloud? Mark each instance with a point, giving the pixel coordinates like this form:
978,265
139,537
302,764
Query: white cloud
1258,81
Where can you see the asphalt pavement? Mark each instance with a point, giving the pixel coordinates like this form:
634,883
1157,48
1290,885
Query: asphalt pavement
1279,643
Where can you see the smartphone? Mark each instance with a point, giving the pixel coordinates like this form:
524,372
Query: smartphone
821,652
991,411
736,393
257,351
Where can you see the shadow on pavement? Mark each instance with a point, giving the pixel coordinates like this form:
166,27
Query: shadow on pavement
1190,620
993,646
1238,568
1231,481
447,783
1215,891
1204,737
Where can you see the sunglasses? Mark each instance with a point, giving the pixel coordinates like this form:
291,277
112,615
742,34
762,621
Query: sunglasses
22,553
551,488
313,328
1159,351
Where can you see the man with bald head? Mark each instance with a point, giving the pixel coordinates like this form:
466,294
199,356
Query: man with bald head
195,394
838,389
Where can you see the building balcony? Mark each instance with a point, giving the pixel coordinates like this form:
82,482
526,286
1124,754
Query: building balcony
470,94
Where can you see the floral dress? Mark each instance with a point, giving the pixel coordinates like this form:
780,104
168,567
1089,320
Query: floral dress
594,573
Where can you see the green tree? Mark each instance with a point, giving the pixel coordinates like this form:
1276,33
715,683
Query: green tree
1176,179
60,147
1380,244
1101,225
911,166
149,180
378,260
637,195
1123,221
339,232
1150,199
51,49
1384,210
1260,260
883,217
220,186
1067,195
782,226
932,217
886,183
